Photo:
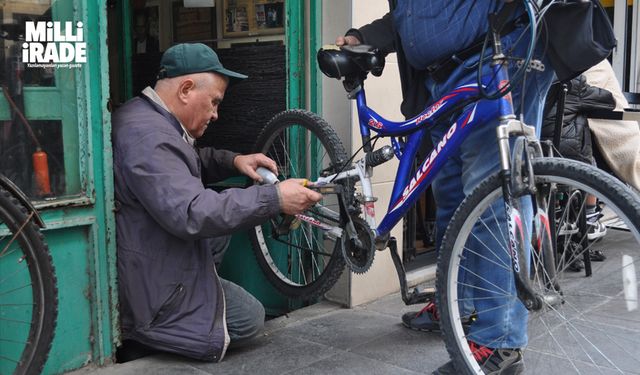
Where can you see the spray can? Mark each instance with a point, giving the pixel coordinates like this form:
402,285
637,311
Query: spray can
268,177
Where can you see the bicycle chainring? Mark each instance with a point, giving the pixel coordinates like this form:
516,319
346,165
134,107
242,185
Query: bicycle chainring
359,258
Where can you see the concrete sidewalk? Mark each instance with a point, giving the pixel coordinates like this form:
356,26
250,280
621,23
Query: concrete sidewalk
319,339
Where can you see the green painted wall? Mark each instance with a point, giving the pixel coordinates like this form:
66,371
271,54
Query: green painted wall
80,227
72,257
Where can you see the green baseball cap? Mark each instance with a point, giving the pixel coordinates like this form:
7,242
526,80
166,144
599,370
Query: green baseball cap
188,58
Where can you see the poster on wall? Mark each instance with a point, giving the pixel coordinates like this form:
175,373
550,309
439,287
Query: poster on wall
253,17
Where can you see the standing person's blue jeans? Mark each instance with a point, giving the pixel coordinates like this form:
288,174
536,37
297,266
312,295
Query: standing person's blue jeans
501,322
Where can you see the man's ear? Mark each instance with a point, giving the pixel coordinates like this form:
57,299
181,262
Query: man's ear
185,88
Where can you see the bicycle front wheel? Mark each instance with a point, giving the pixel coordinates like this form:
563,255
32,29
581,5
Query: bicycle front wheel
28,294
306,261
589,324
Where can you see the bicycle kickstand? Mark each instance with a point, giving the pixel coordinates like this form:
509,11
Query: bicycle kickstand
415,296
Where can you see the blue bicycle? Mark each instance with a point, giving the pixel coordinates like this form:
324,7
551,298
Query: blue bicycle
575,323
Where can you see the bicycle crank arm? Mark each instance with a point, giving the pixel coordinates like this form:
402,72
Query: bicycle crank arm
293,221
415,296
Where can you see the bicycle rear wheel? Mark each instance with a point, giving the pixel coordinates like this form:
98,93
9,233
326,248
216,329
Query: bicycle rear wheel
28,293
307,261
592,325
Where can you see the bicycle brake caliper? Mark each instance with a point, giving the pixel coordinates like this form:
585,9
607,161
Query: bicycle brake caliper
522,180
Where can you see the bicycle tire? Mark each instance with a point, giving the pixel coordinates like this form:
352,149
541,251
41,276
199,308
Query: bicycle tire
285,266
593,329
28,291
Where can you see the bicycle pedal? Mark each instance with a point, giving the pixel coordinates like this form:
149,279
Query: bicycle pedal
533,65
421,296
568,229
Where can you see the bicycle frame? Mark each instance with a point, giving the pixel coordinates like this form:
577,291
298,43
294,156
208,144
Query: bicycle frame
408,187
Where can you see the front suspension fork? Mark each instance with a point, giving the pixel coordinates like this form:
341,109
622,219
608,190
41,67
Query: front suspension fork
518,181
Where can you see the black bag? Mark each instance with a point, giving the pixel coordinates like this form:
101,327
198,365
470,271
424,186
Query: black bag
580,35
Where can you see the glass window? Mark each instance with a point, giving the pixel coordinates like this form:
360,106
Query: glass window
42,52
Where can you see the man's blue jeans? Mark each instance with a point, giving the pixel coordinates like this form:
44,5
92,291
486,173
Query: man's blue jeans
501,321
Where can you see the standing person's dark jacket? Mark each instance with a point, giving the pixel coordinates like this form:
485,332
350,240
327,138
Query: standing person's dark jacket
575,139
170,295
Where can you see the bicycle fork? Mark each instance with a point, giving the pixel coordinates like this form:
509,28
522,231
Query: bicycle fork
518,181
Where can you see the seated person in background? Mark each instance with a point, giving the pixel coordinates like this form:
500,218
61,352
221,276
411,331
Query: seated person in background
618,141
575,140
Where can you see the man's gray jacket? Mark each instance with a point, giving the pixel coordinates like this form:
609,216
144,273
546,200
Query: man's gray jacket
170,295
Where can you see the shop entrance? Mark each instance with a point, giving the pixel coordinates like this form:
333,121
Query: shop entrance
249,37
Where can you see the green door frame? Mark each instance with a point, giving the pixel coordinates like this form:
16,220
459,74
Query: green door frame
96,219
295,42
315,42
302,44
127,49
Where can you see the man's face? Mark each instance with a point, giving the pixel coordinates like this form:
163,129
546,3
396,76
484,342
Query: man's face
203,103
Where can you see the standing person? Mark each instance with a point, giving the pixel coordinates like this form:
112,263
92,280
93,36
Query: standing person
438,45
143,41
171,230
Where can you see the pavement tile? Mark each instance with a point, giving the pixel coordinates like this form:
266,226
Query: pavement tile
301,316
344,329
416,351
351,364
270,354
162,364
391,305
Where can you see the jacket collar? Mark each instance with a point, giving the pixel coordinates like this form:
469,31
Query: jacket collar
156,102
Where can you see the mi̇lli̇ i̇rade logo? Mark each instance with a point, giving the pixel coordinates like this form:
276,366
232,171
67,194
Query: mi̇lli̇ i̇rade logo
54,44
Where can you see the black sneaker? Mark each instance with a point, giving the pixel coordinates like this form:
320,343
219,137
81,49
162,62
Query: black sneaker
573,258
596,255
576,265
492,361
425,320
428,319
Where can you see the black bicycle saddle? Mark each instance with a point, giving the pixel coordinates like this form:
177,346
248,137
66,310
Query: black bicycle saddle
346,61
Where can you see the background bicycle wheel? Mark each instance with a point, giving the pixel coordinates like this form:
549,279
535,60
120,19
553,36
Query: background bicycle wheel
28,294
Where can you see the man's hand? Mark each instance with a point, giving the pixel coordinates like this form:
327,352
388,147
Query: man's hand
349,39
294,197
247,165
